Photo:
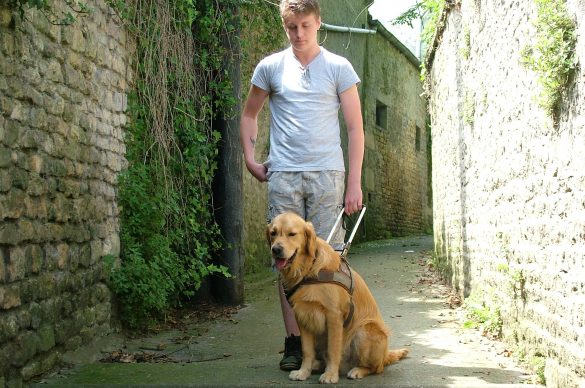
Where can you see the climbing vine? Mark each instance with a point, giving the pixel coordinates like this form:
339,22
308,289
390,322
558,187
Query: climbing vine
168,232
181,53
429,12
552,56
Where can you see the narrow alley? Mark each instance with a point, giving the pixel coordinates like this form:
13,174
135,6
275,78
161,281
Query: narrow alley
242,349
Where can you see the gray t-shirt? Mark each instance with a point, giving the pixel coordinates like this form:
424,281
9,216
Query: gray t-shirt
304,106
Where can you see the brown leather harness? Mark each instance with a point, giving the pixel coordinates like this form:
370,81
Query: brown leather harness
342,277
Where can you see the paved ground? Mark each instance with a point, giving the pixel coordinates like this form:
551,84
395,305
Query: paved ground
242,348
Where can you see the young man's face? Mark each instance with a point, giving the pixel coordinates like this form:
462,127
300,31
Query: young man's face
301,30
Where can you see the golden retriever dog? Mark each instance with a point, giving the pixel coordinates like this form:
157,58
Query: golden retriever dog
350,339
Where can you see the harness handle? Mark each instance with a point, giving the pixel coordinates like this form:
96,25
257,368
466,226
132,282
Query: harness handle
347,244
336,225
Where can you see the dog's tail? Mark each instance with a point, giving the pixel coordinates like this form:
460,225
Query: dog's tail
394,355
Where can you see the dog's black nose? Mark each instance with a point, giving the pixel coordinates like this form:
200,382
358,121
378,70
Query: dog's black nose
276,250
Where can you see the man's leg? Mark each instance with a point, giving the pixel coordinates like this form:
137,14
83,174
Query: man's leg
325,190
284,194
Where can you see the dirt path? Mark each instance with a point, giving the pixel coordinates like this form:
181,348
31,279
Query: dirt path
241,347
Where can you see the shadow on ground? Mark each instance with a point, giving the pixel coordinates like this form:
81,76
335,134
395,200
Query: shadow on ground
240,347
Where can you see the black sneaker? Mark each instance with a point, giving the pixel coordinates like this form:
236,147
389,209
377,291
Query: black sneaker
293,355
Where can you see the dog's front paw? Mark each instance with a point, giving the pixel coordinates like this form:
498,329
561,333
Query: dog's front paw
299,375
329,378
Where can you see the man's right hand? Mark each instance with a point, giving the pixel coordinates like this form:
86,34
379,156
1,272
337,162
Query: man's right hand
258,170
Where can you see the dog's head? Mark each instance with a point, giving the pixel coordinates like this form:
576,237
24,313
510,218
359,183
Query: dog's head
291,240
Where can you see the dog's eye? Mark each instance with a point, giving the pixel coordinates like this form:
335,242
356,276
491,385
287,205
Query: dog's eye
273,233
292,234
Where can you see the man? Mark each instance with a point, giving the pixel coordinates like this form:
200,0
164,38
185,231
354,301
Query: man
305,168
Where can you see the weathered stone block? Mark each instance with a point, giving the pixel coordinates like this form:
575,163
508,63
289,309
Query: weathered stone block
84,255
35,163
54,231
77,233
16,266
27,345
63,256
97,250
8,232
48,285
5,17
73,343
5,180
9,296
54,104
46,338
20,180
55,167
3,254
49,361
26,229
6,351
32,139
23,317
30,370
5,156
103,313
36,186
36,316
14,200
8,326
52,310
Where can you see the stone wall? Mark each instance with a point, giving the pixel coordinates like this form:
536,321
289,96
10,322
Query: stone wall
396,164
508,184
62,102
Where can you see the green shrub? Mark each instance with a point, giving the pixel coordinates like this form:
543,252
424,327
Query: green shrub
483,316
167,230
552,56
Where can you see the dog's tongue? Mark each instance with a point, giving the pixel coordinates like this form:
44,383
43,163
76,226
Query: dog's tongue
280,263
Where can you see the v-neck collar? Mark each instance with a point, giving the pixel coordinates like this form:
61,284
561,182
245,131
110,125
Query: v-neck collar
320,53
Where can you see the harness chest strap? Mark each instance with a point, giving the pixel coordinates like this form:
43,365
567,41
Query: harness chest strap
341,277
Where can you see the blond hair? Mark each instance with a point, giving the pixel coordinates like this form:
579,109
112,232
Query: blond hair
297,7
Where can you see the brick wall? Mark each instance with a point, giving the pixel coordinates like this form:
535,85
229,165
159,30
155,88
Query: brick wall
62,102
508,185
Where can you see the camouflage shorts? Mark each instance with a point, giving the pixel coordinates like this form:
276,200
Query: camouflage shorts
317,196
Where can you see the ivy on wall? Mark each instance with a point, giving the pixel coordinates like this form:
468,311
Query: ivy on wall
429,12
180,85
168,233
552,56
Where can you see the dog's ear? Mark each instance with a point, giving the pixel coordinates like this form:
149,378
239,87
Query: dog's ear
311,240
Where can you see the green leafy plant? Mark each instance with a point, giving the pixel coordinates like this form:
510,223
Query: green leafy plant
552,56
167,230
429,12
465,48
538,363
483,316
439,264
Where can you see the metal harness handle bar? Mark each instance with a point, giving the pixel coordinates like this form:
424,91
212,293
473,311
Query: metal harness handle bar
347,244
